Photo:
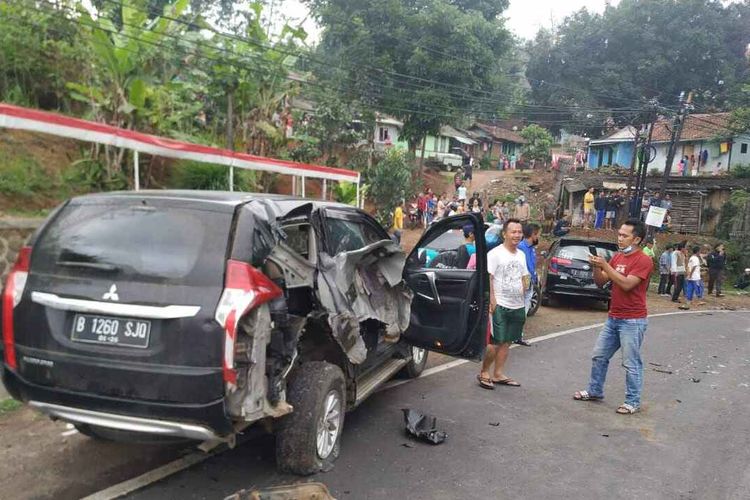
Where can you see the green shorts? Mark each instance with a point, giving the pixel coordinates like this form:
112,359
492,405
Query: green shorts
507,324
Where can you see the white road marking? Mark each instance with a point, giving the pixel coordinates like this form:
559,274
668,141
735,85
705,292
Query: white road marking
150,477
131,485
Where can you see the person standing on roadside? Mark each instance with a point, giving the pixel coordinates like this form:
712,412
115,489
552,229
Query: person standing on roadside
458,179
588,208
509,280
398,217
665,260
462,192
468,173
677,268
600,205
693,279
648,248
523,210
530,240
629,272
717,261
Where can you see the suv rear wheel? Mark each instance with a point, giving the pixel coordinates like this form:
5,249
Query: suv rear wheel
308,439
416,364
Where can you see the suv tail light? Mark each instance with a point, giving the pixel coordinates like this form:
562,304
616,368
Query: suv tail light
555,261
11,297
244,289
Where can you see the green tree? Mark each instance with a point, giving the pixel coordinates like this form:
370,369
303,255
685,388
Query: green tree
40,51
637,50
390,181
413,59
538,142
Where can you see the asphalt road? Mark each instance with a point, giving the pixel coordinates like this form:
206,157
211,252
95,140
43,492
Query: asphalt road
692,439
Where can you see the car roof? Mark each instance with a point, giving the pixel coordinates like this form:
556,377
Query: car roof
586,241
223,198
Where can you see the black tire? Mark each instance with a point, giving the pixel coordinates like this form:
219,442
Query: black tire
415,366
90,432
536,297
296,439
548,300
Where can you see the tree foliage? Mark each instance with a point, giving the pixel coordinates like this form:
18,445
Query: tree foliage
637,50
411,59
391,180
538,142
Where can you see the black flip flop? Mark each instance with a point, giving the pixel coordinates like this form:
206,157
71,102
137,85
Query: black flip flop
485,383
507,381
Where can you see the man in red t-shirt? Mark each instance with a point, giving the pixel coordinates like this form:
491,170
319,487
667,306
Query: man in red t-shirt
629,272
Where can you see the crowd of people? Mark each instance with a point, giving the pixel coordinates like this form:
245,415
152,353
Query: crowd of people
602,209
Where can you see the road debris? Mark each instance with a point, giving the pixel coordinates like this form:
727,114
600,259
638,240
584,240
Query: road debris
696,380
495,424
299,491
669,372
655,364
423,426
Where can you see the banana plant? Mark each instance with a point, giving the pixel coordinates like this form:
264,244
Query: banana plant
122,65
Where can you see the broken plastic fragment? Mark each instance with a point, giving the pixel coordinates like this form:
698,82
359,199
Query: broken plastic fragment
423,426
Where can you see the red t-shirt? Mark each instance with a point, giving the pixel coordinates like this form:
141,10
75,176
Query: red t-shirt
632,304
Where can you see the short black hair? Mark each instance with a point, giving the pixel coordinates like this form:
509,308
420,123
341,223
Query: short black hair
670,247
529,229
696,249
716,247
510,221
639,228
681,245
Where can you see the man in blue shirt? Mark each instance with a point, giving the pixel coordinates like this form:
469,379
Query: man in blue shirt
530,240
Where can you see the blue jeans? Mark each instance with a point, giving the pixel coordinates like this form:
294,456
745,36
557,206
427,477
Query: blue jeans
628,335
599,221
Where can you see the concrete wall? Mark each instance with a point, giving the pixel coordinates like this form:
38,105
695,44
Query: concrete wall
13,234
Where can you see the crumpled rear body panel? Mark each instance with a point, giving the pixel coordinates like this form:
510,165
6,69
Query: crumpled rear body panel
360,285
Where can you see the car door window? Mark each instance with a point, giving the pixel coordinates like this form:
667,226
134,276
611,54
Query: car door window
344,235
450,249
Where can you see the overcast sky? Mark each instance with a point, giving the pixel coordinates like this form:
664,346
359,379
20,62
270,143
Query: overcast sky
525,17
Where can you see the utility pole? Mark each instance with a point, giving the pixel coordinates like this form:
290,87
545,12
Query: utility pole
230,133
677,126
633,161
643,155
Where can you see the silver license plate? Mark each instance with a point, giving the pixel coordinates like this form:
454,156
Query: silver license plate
105,330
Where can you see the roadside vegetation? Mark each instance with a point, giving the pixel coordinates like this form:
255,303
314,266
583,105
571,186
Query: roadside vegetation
9,405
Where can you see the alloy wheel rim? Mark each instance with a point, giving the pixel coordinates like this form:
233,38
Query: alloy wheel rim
329,425
417,355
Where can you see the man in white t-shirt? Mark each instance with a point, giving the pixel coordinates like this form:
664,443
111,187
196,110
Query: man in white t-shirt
509,280
693,285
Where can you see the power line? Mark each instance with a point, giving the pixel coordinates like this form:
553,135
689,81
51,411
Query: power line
472,111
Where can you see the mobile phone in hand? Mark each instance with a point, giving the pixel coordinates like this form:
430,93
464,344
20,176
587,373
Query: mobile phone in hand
592,250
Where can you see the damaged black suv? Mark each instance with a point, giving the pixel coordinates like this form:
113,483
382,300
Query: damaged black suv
187,314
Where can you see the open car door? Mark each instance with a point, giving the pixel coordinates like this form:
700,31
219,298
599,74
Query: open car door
450,305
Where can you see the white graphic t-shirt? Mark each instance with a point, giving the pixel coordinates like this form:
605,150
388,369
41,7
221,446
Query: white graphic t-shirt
695,263
507,270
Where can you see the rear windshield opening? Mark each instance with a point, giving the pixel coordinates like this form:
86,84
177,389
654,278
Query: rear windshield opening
154,243
581,252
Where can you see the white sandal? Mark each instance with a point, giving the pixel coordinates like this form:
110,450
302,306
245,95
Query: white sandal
626,409
585,396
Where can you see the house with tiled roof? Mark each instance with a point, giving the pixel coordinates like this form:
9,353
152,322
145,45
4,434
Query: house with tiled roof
707,143
494,142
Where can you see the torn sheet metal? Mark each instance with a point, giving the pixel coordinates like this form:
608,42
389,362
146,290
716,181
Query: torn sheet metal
423,427
360,285
299,491
249,400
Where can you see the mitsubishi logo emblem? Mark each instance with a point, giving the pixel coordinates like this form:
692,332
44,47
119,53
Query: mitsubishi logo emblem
111,294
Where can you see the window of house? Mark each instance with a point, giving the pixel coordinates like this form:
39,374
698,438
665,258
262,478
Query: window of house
383,134
743,148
